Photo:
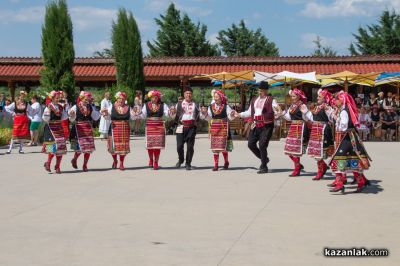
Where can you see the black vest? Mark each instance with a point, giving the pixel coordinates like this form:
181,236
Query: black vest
81,117
158,113
20,111
221,115
53,115
297,114
180,112
117,116
321,116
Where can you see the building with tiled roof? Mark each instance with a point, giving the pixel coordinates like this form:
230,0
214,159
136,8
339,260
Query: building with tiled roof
176,71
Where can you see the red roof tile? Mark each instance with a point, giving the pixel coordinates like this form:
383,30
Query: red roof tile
21,68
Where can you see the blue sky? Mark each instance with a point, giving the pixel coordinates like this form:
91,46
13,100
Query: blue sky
291,24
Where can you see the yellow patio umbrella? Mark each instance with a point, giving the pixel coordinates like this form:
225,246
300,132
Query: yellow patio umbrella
225,77
348,77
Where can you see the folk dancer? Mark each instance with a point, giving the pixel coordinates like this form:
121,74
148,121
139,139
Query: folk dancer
81,137
262,110
118,115
104,125
54,139
350,153
19,110
187,116
298,135
154,111
320,145
218,114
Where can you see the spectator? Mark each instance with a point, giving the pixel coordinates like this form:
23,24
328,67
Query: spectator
396,104
365,122
388,100
381,99
138,106
359,102
373,101
376,123
2,101
388,120
36,118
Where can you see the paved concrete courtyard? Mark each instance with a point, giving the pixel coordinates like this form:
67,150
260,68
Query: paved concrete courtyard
174,217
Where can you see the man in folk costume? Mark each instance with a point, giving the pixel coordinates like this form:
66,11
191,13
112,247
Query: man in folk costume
350,153
54,139
298,133
118,115
20,109
104,125
218,114
81,136
320,145
187,115
262,109
153,111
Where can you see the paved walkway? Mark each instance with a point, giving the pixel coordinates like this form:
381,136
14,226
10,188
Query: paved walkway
174,217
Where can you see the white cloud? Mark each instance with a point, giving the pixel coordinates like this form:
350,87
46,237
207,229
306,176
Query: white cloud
161,5
340,43
157,5
97,46
213,38
83,17
346,8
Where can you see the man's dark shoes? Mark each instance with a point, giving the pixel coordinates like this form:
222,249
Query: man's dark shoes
263,170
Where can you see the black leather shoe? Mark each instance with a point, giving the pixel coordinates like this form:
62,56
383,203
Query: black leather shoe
188,167
178,165
263,170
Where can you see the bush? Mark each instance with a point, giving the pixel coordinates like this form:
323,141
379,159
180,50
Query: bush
5,136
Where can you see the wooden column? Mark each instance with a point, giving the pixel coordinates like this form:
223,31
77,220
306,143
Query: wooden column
11,88
184,83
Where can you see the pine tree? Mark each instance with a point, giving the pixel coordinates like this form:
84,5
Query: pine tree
241,41
322,50
127,49
381,38
179,36
58,49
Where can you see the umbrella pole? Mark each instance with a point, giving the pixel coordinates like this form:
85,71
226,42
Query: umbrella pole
398,87
235,93
346,85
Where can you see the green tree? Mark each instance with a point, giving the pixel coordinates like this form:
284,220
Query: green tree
127,48
380,38
58,49
321,50
238,40
179,36
105,53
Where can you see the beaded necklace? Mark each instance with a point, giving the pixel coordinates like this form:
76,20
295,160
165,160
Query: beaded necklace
217,110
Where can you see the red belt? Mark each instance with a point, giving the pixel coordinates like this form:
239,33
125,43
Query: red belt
188,123
259,121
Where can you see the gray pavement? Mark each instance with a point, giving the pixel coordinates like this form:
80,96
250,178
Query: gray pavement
174,217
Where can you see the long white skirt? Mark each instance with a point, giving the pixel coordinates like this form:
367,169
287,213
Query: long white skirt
104,125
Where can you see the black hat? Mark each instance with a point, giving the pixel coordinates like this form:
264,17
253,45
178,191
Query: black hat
263,85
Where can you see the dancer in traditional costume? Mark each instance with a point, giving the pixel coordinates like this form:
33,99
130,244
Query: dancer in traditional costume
320,146
153,111
104,125
350,153
20,109
65,119
81,136
187,115
298,135
36,119
262,110
218,114
118,116
54,139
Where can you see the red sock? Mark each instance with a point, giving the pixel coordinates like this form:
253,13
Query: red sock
156,155
122,158
225,154
216,159
151,154
86,157
49,158
114,156
58,161
76,155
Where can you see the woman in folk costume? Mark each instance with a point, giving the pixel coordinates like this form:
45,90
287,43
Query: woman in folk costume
320,145
20,109
298,134
65,119
350,153
118,116
81,136
54,139
218,114
153,111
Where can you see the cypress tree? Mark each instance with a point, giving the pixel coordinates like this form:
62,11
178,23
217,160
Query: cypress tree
58,49
127,48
